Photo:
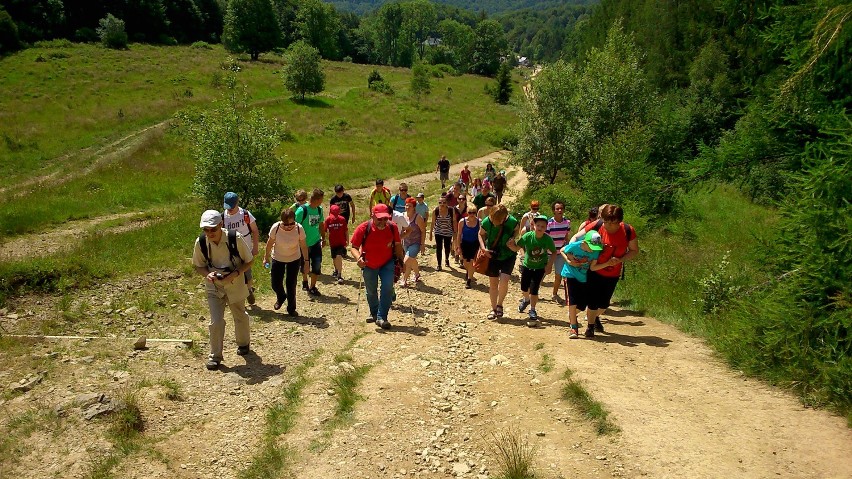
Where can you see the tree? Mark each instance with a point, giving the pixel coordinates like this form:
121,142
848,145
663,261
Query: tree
234,149
504,84
303,72
489,47
9,41
420,84
145,20
318,24
185,20
111,32
420,19
251,27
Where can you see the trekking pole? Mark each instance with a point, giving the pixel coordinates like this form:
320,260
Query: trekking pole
358,303
411,305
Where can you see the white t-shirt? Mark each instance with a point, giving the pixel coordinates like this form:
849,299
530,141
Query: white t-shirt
400,219
287,245
237,221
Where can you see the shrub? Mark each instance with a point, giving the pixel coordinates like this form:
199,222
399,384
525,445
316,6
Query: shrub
515,456
375,76
444,68
420,84
57,43
234,149
111,32
719,288
164,39
203,45
382,87
303,73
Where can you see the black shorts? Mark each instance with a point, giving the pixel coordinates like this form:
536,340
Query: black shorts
496,267
578,294
469,250
338,251
601,289
531,280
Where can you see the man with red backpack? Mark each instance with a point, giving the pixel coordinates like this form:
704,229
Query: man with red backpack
375,245
620,245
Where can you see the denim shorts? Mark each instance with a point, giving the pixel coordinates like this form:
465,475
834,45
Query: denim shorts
412,250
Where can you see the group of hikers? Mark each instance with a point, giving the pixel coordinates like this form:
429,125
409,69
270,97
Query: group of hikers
482,237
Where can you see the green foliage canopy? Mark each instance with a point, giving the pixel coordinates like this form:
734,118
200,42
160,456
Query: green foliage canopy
251,27
303,71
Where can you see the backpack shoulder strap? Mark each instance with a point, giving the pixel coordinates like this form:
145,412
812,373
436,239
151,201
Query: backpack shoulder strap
597,226
232,245
202,242
629,232
304,210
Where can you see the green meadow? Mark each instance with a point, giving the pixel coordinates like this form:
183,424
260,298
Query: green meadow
71,117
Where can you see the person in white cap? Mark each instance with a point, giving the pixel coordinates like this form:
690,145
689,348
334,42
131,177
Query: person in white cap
241,219
222,257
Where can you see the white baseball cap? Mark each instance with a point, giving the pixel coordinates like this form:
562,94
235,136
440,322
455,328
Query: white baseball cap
210,218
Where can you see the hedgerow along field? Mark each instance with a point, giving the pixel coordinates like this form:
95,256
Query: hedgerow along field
62,103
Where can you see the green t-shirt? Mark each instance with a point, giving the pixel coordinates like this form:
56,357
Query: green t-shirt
503,251
479,200
536,250
311,223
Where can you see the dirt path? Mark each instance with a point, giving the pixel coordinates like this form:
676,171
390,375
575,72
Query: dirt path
443,380
67,235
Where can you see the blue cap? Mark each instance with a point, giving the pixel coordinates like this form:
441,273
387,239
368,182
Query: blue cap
230,200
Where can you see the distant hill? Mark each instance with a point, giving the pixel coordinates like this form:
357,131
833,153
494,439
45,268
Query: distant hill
489,6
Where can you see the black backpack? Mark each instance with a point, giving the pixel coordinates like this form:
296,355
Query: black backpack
304,209
232,248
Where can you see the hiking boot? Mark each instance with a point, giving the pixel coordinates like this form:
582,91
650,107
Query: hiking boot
574,334
314,291
276,306
590,332
522,305
305,286
243,350
439,266
212,365
598,326
383,323
251,296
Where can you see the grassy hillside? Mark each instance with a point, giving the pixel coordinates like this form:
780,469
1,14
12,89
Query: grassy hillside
71,119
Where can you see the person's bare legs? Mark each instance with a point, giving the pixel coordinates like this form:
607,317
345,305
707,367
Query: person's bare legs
557,281
338,264
494,284
503,288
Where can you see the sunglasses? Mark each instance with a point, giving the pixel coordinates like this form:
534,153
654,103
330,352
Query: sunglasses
462,198
402,189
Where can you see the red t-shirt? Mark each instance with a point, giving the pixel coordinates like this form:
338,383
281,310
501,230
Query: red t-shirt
378,249
615,244
337,230
465,176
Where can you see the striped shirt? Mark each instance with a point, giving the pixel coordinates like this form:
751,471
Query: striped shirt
443,224
557,230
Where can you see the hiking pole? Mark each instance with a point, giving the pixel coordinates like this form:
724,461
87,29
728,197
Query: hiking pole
411,305
358,303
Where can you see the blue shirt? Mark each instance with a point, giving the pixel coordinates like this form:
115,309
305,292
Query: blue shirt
578,272
421,209
397,203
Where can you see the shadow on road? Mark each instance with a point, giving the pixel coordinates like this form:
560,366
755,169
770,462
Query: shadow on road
632,341
254,370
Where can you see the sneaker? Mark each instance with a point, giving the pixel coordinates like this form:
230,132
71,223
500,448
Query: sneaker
401,283
467,284
370,319
522,305
314,291
243,350
598,326
574,334
276,306
590,332
383,323
212,365
251,296
293,313
533,314
340,280
305,286
334,274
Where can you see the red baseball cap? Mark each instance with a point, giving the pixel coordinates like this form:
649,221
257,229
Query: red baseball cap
380,211
335,210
